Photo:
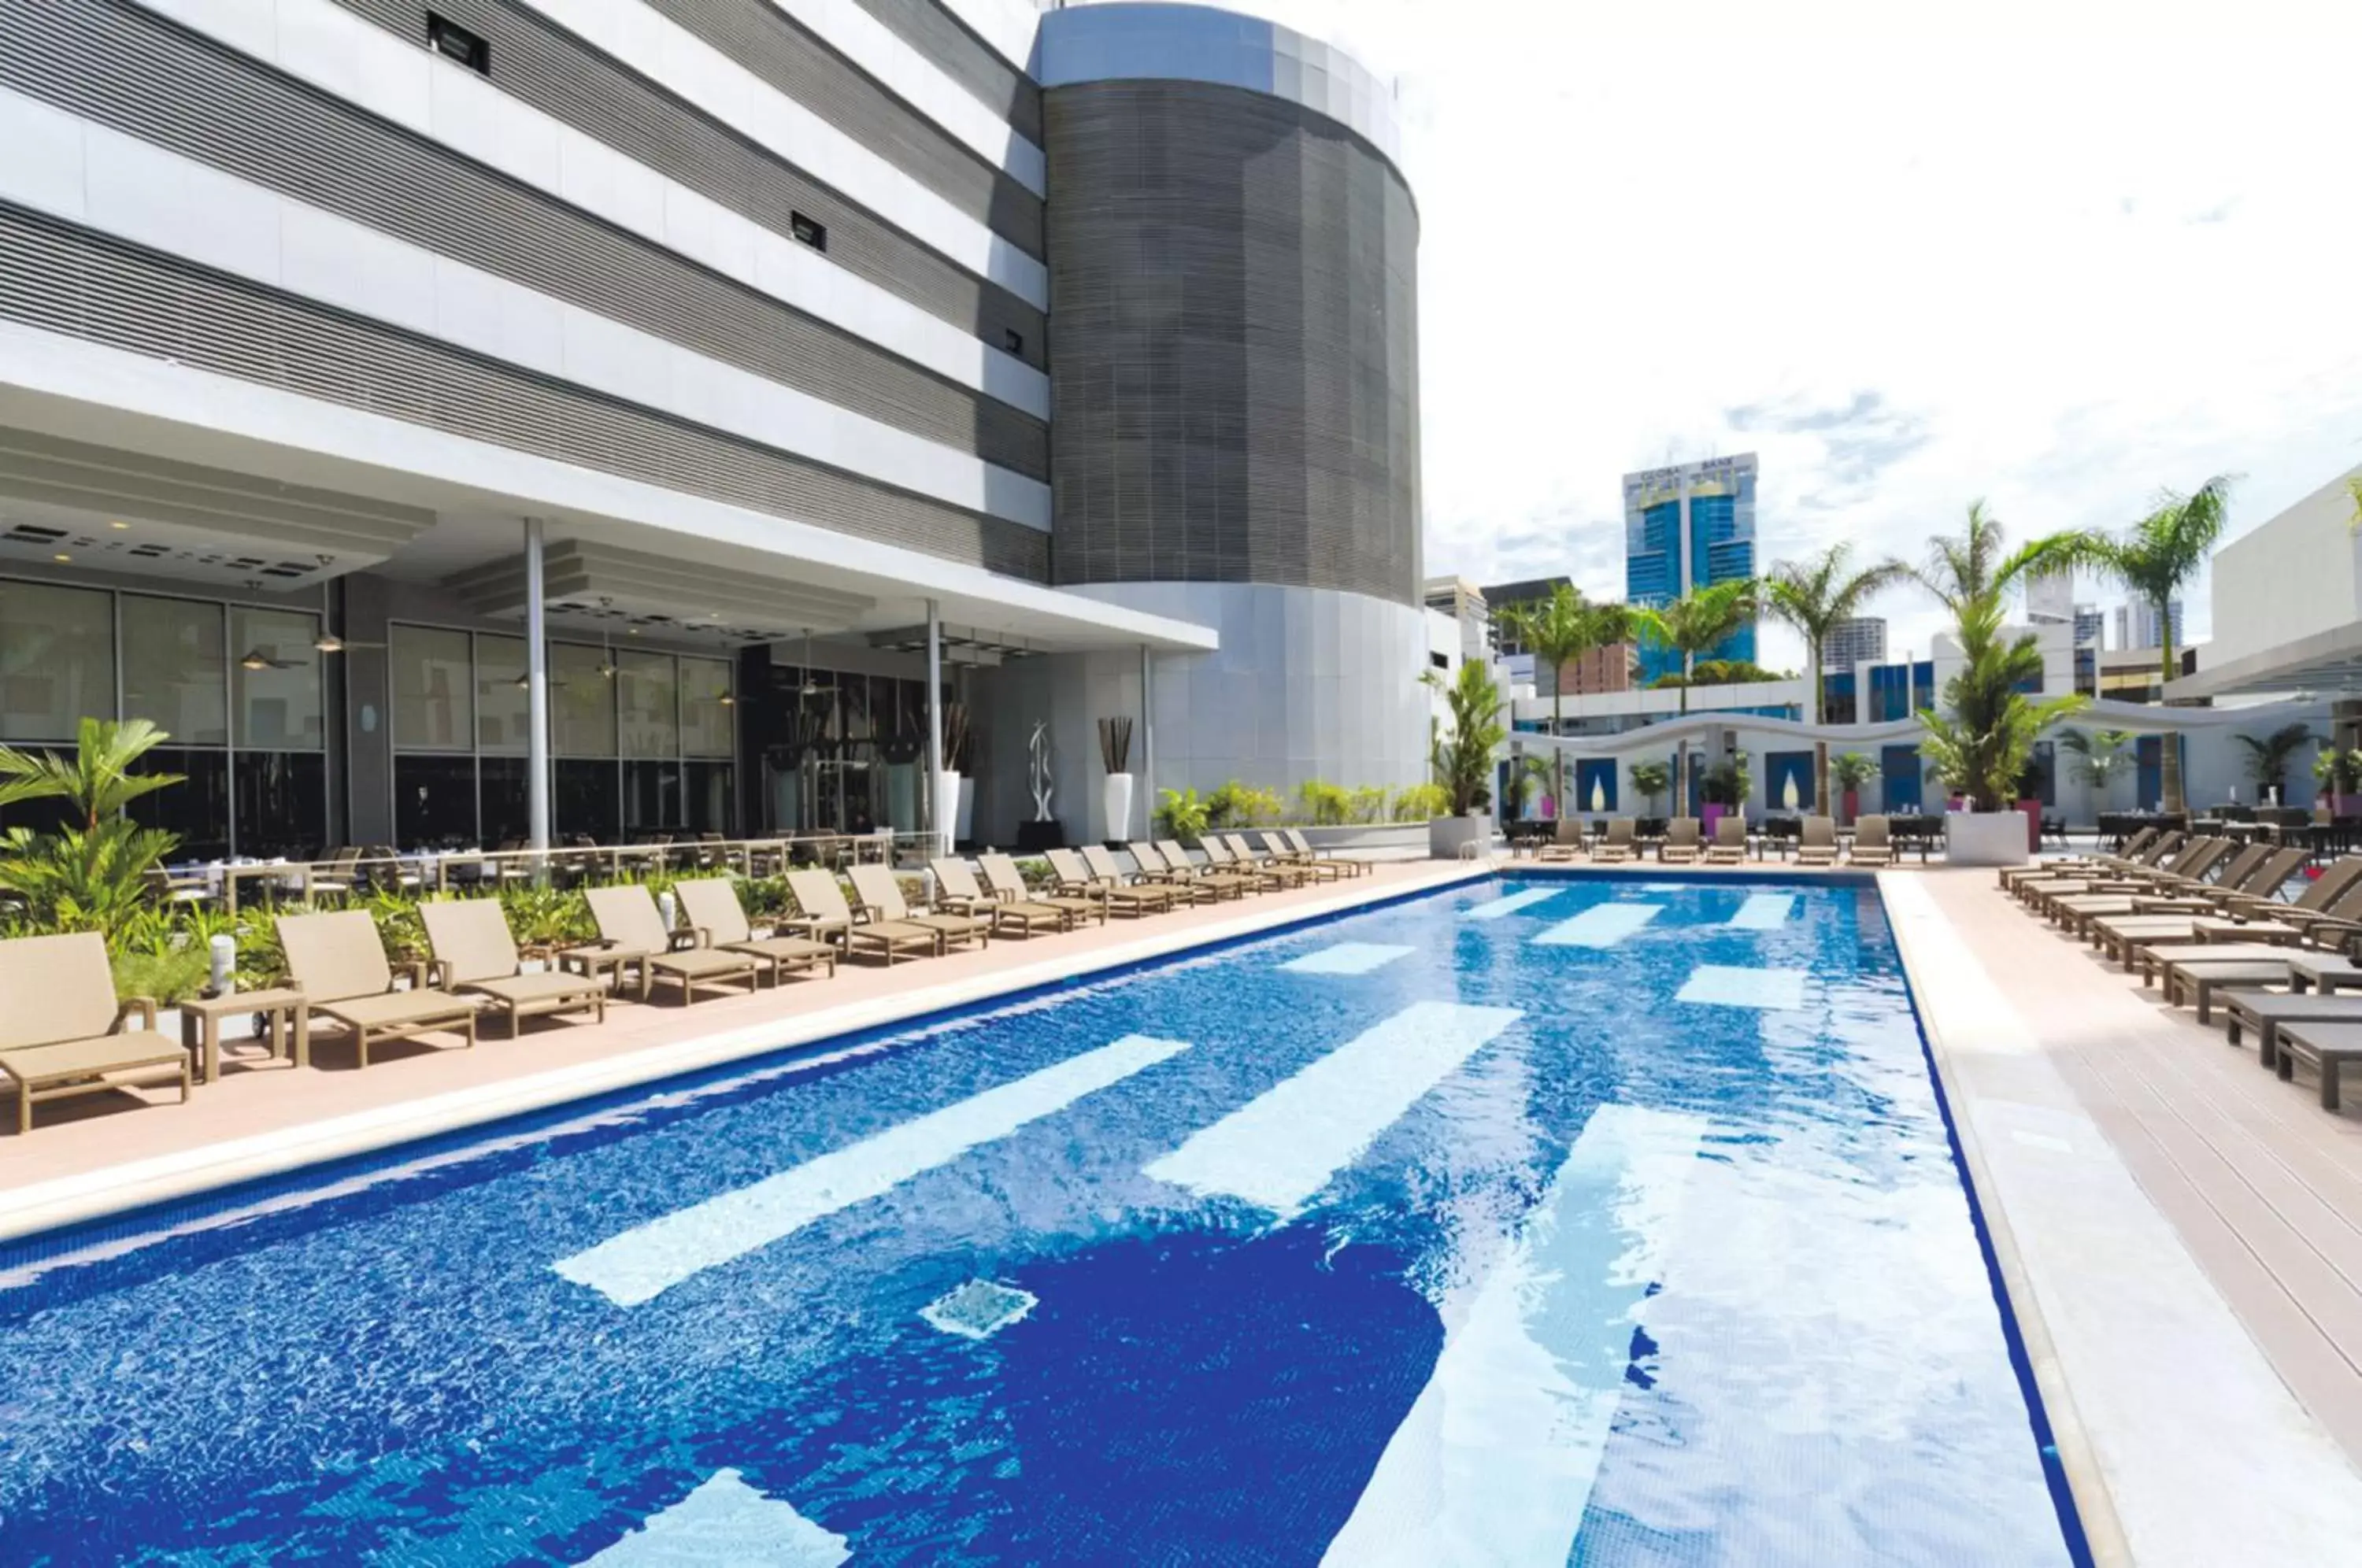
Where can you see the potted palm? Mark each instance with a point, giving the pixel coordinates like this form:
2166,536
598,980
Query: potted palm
1981,741
2268,760
1848,771
1650,779
1692,625
1462,757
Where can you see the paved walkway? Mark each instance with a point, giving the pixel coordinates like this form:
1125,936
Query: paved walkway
2182,1234
96,1152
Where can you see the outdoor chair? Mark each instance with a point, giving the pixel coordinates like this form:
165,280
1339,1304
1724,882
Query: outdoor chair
1817,842
1285,850
631,926
1005,881
475,955
881,895
827,917
1202,884
1354,864
1682,843
62,1030
1873,842
1075,879
1565,842
1178,858
1102,867
1289,873
1621,842
1219,856
710,907
957,890
1729,846
337,961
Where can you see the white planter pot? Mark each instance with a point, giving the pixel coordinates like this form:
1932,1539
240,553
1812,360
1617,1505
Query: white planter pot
965,831
1984,838
946,813
1116,796
1448,838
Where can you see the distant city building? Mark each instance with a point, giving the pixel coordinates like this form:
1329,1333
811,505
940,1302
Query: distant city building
1688,526
1859,640
1464,602
2091,625
2051,599
2136,624
1503,597
1601,670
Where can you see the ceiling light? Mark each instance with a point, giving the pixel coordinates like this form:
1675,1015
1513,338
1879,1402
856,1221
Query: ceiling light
60,557
117,523
255,660
727,701
330,642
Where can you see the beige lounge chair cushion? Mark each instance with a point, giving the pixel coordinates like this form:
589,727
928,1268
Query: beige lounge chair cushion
696,962
89,1058
785,949
333,956
471,938
56,988
392,1008
523,990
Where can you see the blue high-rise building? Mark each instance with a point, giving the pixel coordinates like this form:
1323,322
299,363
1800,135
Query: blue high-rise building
1688,526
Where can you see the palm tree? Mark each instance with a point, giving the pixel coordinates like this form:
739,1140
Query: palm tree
2155,558
1980,742
1691,626
2099,757
1813,595
1557,631
1979,563
2267,759
97,779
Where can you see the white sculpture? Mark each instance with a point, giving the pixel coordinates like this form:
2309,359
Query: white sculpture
1040,747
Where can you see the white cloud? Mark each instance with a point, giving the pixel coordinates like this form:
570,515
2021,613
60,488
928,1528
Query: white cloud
2056,264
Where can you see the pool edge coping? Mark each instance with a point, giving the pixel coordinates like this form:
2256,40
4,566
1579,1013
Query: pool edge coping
66,1203
2095,1508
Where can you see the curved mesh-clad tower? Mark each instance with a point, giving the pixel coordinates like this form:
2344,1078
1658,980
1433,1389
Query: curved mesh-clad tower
1235,379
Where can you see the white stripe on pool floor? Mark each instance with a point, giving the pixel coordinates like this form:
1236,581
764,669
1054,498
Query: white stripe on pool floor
1732,985
1600,925
1347,958
1286,1144
1495,1462
1764,912
722,1523
1510,903
647,1260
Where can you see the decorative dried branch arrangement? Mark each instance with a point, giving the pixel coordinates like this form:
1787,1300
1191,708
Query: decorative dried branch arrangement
959,742
1115,744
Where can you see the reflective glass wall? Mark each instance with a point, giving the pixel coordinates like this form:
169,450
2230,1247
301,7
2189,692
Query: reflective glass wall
641,742
239,689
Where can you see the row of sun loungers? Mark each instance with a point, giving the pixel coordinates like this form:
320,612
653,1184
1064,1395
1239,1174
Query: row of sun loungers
62,1031
2213,927
1684,844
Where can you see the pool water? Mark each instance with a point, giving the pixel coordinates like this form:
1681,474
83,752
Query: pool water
1533,1222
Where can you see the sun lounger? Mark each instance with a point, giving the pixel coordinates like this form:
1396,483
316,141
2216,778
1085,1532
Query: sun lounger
881,894
1729,846
1817,842
1178,857
2188,859
957,890
2265,1012
629,922
475,956
2325,1047
2189,868
1353,865
1073,879
1681,842
710,905
1289,873
1219,856
2136,851
825,912
1202,883
1873,841
338,963
1565,842
1621,842
62,1030
1001,876
1285,850
1101,869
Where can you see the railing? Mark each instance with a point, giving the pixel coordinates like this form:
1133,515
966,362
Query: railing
441,870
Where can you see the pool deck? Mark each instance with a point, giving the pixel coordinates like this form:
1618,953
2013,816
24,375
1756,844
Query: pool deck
97,1154
2182,1234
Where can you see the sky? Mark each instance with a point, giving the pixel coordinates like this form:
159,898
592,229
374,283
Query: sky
2056,264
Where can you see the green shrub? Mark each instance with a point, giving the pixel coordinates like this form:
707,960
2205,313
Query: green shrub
1422,802
1368,804
1236,805
547,917
1324,804
398,925
170,975
1184,815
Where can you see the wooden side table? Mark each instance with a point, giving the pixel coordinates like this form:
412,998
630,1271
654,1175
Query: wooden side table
595,963
201,1022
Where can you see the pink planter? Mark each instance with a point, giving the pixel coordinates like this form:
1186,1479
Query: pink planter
2033,809
1712,813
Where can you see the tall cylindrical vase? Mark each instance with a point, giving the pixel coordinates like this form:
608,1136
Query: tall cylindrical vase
966,810
946,817
1117,799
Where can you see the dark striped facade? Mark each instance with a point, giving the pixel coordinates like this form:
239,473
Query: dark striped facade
1235,381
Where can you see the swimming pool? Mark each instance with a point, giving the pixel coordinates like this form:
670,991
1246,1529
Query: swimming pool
1535,1221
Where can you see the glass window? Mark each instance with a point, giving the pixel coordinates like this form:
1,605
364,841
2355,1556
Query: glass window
196,810
651,798
283,801
503,706
588,798
278,704
705,727
505,814
706,798
648,721
175,669
434,802
581,701
433,690
57,659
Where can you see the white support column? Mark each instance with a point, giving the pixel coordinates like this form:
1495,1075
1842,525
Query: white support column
943,816
1147,744
536,676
